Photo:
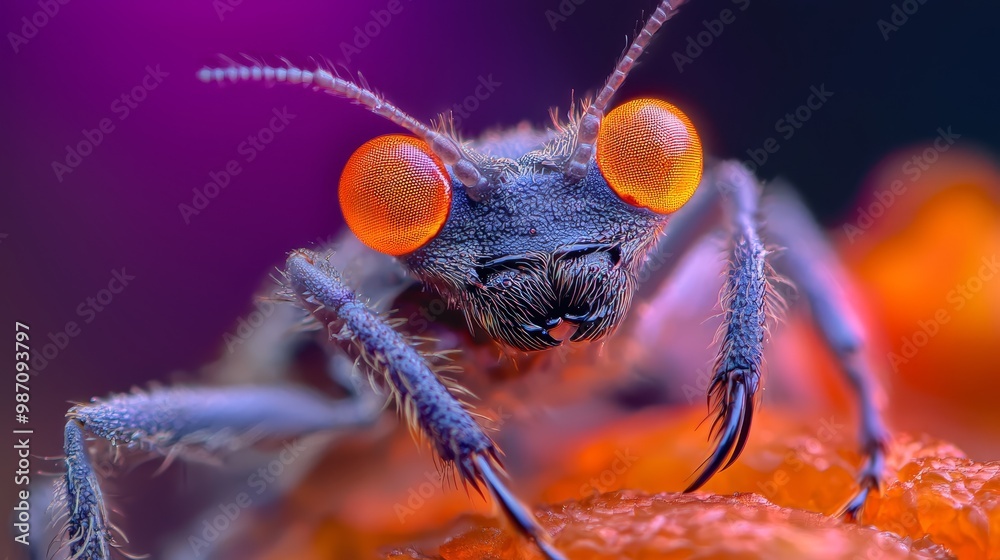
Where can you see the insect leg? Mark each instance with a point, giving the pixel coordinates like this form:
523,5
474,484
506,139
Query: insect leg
178,420
747,302
430,406
728,196
270,344
813,266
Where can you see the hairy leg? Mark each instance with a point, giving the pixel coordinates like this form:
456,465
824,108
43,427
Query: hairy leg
266,344
184,422
748,301
429,404
179,421
729,195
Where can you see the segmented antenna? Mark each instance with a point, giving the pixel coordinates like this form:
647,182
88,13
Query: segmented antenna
322,79
590,124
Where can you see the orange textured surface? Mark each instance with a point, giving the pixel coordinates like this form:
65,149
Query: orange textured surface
789,460
937,504
955,501
636,525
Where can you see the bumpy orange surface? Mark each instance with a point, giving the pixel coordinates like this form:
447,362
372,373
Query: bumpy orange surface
793,460
955,501
637,525
936,503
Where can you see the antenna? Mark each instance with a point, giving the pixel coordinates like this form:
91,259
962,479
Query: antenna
590,124
325,80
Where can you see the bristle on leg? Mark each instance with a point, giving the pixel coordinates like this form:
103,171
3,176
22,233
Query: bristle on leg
749,301
87,531
430,407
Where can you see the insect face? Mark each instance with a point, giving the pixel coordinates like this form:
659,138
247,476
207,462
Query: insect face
540,249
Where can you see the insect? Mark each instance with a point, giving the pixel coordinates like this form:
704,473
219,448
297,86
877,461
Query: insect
538,237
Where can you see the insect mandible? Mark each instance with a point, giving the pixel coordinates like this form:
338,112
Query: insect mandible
538,237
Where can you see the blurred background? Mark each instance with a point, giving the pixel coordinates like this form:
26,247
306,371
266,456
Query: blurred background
107,132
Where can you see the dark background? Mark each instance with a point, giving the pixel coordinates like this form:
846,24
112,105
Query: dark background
119,207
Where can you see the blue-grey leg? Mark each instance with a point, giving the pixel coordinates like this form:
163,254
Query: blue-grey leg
429,405
729,196
174,421
748,301
811,264
264,345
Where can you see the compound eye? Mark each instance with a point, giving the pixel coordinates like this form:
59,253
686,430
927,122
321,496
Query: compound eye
649,153
395,194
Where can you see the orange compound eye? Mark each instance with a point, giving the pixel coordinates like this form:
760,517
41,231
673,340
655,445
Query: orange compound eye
395,194
650,154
